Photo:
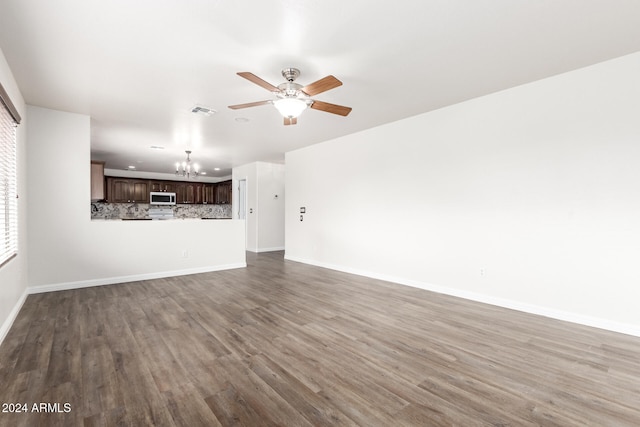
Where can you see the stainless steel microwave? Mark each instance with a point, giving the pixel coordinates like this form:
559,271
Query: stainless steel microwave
162,198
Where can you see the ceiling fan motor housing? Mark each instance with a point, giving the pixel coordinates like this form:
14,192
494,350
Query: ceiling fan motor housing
290,89
290,74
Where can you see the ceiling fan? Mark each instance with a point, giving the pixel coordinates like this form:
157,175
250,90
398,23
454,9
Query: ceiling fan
292,98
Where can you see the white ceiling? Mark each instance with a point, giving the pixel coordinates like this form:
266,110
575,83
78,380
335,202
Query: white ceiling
138,67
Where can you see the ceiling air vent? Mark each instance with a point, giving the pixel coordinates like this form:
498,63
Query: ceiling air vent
198,109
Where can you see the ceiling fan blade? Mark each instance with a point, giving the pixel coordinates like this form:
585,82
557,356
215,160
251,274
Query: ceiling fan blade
249,104
290,121
321,85
331,108
257,80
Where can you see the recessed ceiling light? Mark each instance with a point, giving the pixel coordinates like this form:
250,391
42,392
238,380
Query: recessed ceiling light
132,167
242,119
203,173
156,147
216,169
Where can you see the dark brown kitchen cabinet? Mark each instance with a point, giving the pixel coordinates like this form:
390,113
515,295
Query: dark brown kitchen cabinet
97,181
123,190
139,191
188,192
209,194
132,190
181,193
223,193
162,186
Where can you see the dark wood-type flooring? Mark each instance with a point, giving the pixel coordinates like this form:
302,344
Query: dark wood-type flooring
283,343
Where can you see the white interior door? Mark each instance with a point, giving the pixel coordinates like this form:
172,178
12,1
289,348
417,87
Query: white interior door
242,206
242,199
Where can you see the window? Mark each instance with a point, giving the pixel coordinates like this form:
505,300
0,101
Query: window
9,119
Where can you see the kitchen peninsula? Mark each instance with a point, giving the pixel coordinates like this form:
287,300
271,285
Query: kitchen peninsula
70,250
174,243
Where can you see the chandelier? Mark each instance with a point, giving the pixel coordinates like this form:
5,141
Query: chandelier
186,169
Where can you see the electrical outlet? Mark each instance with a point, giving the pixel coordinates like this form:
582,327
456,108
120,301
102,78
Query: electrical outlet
301,218
185,253
483,272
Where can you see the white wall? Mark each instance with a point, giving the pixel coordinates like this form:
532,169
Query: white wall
13,274
527,198
265,211
68,249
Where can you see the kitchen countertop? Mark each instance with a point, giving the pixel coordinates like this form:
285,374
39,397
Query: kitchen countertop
150,219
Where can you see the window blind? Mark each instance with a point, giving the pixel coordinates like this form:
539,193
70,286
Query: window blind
8,186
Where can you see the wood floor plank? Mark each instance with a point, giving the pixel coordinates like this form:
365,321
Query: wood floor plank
315,409
36,350
65,357
99,384
167,372
283,343
190,409
231,409
257,394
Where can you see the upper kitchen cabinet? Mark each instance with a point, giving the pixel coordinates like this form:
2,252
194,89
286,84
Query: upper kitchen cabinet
97,181
162,186
132,190
139,192
188,192
209,194
223,193
122,190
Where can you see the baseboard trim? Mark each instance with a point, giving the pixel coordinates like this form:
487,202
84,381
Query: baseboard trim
275,249
132,278
8,323
259,250
595,322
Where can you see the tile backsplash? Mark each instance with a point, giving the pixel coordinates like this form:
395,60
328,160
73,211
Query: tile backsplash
141,210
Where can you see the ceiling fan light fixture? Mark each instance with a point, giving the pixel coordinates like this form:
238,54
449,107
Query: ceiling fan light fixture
290,107
293,98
